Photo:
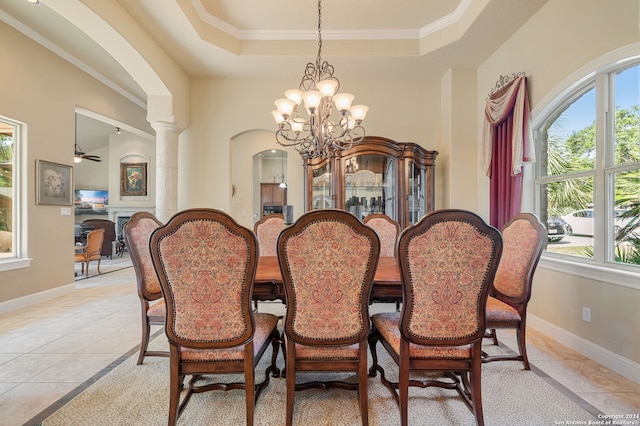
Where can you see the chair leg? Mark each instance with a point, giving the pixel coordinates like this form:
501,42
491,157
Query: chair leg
291,384
174,392
99,273
522,345
493,335
87,271
363,389
146,331
373,341
476,390
249,388
403,390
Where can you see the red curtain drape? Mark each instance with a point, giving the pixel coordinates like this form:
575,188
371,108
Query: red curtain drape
507,146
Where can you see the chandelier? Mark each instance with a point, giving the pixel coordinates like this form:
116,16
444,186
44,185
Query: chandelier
317,134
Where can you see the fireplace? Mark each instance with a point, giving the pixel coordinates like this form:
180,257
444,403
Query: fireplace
120,221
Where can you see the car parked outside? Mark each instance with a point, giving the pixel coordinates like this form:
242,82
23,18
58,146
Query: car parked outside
557,229
581,221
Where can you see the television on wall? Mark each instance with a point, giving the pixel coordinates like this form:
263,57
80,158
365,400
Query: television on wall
91,201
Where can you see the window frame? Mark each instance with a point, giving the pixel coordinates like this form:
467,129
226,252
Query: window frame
19,258
601,75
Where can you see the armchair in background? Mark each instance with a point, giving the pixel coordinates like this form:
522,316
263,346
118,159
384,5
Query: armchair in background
90,251
109,234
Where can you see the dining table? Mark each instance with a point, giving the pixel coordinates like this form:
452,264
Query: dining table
268,283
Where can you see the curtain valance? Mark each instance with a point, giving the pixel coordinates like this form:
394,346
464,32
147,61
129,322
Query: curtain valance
512,98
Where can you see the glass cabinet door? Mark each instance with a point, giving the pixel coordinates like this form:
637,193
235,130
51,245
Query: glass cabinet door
369,185
321,188
417,193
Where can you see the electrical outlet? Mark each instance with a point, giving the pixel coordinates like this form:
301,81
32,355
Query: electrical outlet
586,314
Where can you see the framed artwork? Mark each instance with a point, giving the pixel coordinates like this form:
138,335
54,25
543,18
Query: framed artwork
54,183
133,178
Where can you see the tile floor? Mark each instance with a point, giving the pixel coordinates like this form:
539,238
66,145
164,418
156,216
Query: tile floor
49,349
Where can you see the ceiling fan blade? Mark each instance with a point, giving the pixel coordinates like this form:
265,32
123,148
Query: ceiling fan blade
92,158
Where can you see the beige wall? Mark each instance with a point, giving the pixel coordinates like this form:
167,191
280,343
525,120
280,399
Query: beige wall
559,40
224,110
42,90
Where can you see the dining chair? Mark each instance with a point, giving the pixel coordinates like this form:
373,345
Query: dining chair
206,263
90,251
523,237
267,230
137,233
388,231
109,234
328,260
447,261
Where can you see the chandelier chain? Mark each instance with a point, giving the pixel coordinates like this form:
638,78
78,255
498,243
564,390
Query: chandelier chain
319,31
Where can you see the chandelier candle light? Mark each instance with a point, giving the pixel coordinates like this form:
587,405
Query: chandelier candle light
317,135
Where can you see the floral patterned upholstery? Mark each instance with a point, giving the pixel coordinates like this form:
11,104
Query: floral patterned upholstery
206,263
498,311
327,262
158,309
388,324
448,261
328,259
327,352
137,232
387,229
265,324
447,264
267,230
520,246
524,237
138,242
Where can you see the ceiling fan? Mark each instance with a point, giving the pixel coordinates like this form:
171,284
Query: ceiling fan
80,155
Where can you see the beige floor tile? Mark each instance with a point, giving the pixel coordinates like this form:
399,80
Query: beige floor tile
21,403
24,367
74,369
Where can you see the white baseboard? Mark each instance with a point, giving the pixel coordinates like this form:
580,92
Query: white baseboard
599,354
31,299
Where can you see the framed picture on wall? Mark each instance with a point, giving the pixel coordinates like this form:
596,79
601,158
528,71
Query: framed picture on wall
133,179
54,183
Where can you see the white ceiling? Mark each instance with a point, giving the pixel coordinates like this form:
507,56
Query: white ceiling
222,38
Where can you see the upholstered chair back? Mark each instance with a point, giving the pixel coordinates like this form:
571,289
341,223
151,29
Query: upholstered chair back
388,231
137,233
328,259
523,239
109,233
448,261
206,263
94,244
267,230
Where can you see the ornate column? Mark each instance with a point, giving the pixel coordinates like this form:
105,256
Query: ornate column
166,168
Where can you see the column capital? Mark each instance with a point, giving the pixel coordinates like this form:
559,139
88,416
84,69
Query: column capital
167,126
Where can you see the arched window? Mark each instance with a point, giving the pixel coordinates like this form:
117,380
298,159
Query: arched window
587,178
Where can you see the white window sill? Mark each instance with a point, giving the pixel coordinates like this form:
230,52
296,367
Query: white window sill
624,278
10,264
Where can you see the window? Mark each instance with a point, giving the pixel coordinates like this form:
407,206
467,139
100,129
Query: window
9,194
588,170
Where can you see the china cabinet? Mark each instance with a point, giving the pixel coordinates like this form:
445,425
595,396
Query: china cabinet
272,198
378,175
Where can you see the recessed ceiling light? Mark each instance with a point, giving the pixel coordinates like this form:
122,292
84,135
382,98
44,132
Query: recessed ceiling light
34,1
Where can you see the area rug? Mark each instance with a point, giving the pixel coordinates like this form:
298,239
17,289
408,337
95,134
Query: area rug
133,394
